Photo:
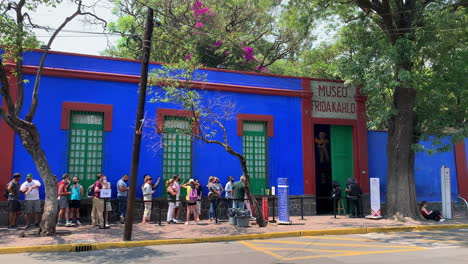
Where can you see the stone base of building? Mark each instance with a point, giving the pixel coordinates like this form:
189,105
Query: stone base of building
299,205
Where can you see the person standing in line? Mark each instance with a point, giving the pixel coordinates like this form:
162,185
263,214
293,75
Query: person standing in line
14,206
239,193
211,196
199,193
107,185
191,199
32,203
122,194
229,191
98,203
336,194
75,200
171,200
147,189
176,187
354,192
216,191
62,193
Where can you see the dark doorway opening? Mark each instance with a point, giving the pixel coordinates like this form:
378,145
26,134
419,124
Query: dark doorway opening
323,169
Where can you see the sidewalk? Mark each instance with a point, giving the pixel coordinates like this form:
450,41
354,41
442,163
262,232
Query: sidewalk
91,234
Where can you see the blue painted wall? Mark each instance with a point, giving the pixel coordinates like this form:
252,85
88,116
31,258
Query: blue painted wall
133,68
285,160
426,168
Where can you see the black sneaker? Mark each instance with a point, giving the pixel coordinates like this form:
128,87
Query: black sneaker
12,227
36,225
27,226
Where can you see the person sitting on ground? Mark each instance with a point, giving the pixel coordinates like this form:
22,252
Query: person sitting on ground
192,198
430,215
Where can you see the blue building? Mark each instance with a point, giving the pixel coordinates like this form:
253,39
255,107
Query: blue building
309,130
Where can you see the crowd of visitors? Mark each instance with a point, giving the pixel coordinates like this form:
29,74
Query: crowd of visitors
71,192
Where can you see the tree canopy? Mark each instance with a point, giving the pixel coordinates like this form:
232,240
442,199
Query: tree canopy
233,34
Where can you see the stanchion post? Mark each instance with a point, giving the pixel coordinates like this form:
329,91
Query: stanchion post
302,207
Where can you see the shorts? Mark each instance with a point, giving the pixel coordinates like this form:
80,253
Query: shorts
14,206
108,206
75,204
32,206
191,203
63,202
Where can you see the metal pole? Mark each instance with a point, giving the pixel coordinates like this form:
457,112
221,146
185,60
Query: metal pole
146,50
159,205
302,207
334,205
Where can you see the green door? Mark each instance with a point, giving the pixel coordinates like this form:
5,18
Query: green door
341,139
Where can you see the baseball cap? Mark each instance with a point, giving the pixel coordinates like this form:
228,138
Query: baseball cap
29,175
16,175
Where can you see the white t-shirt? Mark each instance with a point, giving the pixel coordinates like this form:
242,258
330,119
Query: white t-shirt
147,192
176,187
33,194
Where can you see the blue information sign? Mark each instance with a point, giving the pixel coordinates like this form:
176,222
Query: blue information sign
283,201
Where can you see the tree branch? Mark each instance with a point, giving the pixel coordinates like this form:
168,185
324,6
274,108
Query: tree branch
33,108
5,88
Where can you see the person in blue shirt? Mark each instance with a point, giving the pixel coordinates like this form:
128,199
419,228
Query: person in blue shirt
122,194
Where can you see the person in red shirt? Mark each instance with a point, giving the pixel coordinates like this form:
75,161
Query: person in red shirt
430,215
62,193
98,203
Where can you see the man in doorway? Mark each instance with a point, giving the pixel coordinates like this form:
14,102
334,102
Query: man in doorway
32,203
238,189
14,207
122,194
354,192
62,193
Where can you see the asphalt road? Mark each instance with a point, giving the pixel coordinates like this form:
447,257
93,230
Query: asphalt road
438,246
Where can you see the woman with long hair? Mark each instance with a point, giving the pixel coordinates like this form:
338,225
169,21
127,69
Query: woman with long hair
430,215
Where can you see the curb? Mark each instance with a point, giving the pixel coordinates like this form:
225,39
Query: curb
127,244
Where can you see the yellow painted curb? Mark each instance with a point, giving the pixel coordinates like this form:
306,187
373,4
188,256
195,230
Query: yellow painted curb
126,244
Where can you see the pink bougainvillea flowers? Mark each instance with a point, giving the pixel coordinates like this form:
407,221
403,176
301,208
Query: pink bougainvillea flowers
198,25
218,43
188,57
248,54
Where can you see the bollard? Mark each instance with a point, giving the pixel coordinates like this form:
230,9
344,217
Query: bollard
265,208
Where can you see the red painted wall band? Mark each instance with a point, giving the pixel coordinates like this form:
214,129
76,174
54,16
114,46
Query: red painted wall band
161,114
462,170
112,77
68,107
268,119
308,154
7,139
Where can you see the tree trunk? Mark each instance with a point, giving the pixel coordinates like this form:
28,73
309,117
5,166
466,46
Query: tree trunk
31,141
401,193
258,210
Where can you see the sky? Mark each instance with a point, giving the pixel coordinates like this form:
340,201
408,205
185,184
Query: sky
76,41
79,41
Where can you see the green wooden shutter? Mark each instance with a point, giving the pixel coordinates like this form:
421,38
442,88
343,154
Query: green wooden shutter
342,161
177,157
254,144
85,149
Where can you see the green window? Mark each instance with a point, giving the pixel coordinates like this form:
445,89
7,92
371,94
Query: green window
254,145
177,157
85,146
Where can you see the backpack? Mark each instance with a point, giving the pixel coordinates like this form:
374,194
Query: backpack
193,196
91,191
6,193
